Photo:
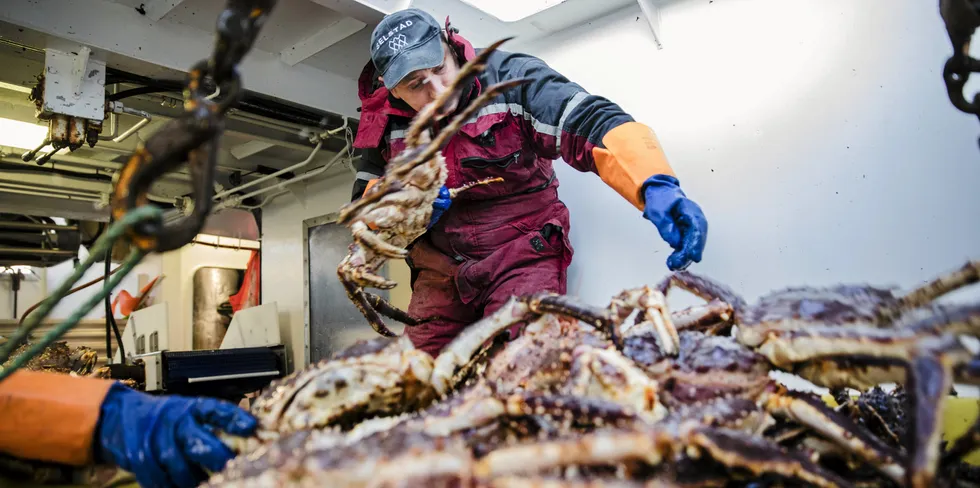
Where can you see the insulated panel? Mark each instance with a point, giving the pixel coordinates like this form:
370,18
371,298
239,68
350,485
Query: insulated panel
334,321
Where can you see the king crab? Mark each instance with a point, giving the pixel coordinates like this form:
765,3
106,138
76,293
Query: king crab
397,210
858,336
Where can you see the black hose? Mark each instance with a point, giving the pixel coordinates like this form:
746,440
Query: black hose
15,287
110,319
132,92
252,102
108,313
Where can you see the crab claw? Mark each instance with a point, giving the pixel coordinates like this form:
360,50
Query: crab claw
515,310
375,243
653,314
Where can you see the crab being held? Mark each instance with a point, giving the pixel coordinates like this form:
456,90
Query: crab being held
858,336
397,209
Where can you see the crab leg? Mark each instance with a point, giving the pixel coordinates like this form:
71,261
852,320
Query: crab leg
459,351
715,318
703,287
358,297
925,294
427,116
430,149
565,305
623,382
374,242
731,448
466,186
514,311
361,277
820,418
386,186
572,408
392,312
653,313
925,364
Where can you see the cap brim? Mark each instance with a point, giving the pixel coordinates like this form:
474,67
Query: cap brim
423,56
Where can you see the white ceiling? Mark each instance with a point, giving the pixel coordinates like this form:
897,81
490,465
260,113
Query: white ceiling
161,39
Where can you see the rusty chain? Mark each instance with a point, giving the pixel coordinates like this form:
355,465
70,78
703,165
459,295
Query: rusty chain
962,18
194,136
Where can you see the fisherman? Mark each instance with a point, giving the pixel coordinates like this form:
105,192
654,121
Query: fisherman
509,238
163,441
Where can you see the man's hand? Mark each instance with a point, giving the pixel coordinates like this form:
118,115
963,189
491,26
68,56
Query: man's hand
440,205
680,221
167,440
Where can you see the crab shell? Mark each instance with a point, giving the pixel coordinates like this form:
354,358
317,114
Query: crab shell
60,358
379,377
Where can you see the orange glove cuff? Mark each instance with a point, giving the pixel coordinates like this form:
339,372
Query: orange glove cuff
50,416
631,156
370,183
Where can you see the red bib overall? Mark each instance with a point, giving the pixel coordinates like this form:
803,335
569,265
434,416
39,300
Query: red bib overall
508,238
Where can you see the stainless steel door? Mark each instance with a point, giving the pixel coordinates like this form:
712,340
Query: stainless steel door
333,322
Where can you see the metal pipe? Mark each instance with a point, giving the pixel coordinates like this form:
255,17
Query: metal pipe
7,225
42,189
316,172
282,185
265,201
132,111
227,246
42,252
113,127
252,183
113,119
132,130
25,237
49,195
110,166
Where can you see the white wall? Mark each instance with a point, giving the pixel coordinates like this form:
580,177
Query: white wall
48,279
816,135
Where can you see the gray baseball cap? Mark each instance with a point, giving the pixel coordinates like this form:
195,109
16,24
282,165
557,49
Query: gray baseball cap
406,41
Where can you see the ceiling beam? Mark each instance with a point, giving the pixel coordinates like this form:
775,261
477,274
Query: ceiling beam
121,30
651,10
322,39
52,207
367,11
158,9
249,148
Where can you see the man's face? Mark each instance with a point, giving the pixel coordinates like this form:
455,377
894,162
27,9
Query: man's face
423,86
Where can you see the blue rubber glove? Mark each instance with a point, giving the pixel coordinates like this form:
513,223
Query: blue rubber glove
439,206
680,221
166,440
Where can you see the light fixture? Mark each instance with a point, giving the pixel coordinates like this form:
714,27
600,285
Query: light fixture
512,10
22,135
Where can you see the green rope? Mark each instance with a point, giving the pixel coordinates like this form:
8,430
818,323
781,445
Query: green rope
101,248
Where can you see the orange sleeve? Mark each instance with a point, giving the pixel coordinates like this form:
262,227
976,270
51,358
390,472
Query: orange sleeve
50,416
632,154
370,183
